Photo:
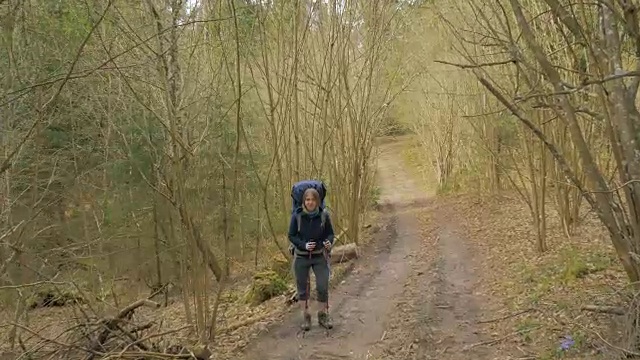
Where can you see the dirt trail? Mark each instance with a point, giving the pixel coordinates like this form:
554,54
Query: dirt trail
409,297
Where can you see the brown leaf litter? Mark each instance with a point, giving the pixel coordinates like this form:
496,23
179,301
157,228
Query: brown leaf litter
540,295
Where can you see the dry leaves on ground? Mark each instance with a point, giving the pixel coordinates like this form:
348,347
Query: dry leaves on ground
541,294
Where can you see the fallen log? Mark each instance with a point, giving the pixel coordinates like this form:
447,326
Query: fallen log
242,323
614,310
344,253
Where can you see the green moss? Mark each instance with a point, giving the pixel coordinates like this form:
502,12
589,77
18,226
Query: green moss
282,267
266,285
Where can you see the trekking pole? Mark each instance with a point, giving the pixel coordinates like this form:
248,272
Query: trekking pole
306,301
328,260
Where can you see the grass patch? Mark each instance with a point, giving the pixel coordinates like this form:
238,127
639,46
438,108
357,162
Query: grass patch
376,192
578,265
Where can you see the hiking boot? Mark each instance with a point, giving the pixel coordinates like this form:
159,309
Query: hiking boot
324,320
306,323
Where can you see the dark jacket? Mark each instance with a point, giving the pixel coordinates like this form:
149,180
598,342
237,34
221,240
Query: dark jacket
311,229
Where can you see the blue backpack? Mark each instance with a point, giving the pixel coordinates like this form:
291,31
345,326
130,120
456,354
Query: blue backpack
297,193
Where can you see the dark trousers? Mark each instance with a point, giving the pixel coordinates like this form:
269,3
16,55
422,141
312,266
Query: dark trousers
301,266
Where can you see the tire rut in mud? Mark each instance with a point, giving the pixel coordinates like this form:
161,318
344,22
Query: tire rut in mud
456,308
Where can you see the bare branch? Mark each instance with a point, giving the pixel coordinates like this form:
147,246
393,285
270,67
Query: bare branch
473,66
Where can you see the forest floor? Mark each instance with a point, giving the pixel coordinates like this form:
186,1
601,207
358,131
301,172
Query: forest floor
439,277
458,277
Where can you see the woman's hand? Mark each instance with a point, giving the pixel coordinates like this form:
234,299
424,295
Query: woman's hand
327,245
310,246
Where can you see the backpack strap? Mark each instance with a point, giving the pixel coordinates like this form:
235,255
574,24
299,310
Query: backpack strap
299,220
323,217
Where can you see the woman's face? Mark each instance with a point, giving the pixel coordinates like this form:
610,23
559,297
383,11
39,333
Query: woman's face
310,203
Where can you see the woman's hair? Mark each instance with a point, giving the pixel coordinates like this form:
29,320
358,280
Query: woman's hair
314,193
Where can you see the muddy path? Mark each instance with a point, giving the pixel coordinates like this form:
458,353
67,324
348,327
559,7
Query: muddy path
409,297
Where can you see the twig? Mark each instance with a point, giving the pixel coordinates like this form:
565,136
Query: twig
625,351
495,341
140,341
110,325
11,231
140,303
242,323
504,317
473,66
148,355
61,344
157,292
20,286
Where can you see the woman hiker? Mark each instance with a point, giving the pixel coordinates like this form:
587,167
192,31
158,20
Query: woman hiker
311,234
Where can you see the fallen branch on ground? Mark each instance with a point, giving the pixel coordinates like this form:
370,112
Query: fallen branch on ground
120,336
604,309
242,323
508,316
628,353
495,341
490,342
110,326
